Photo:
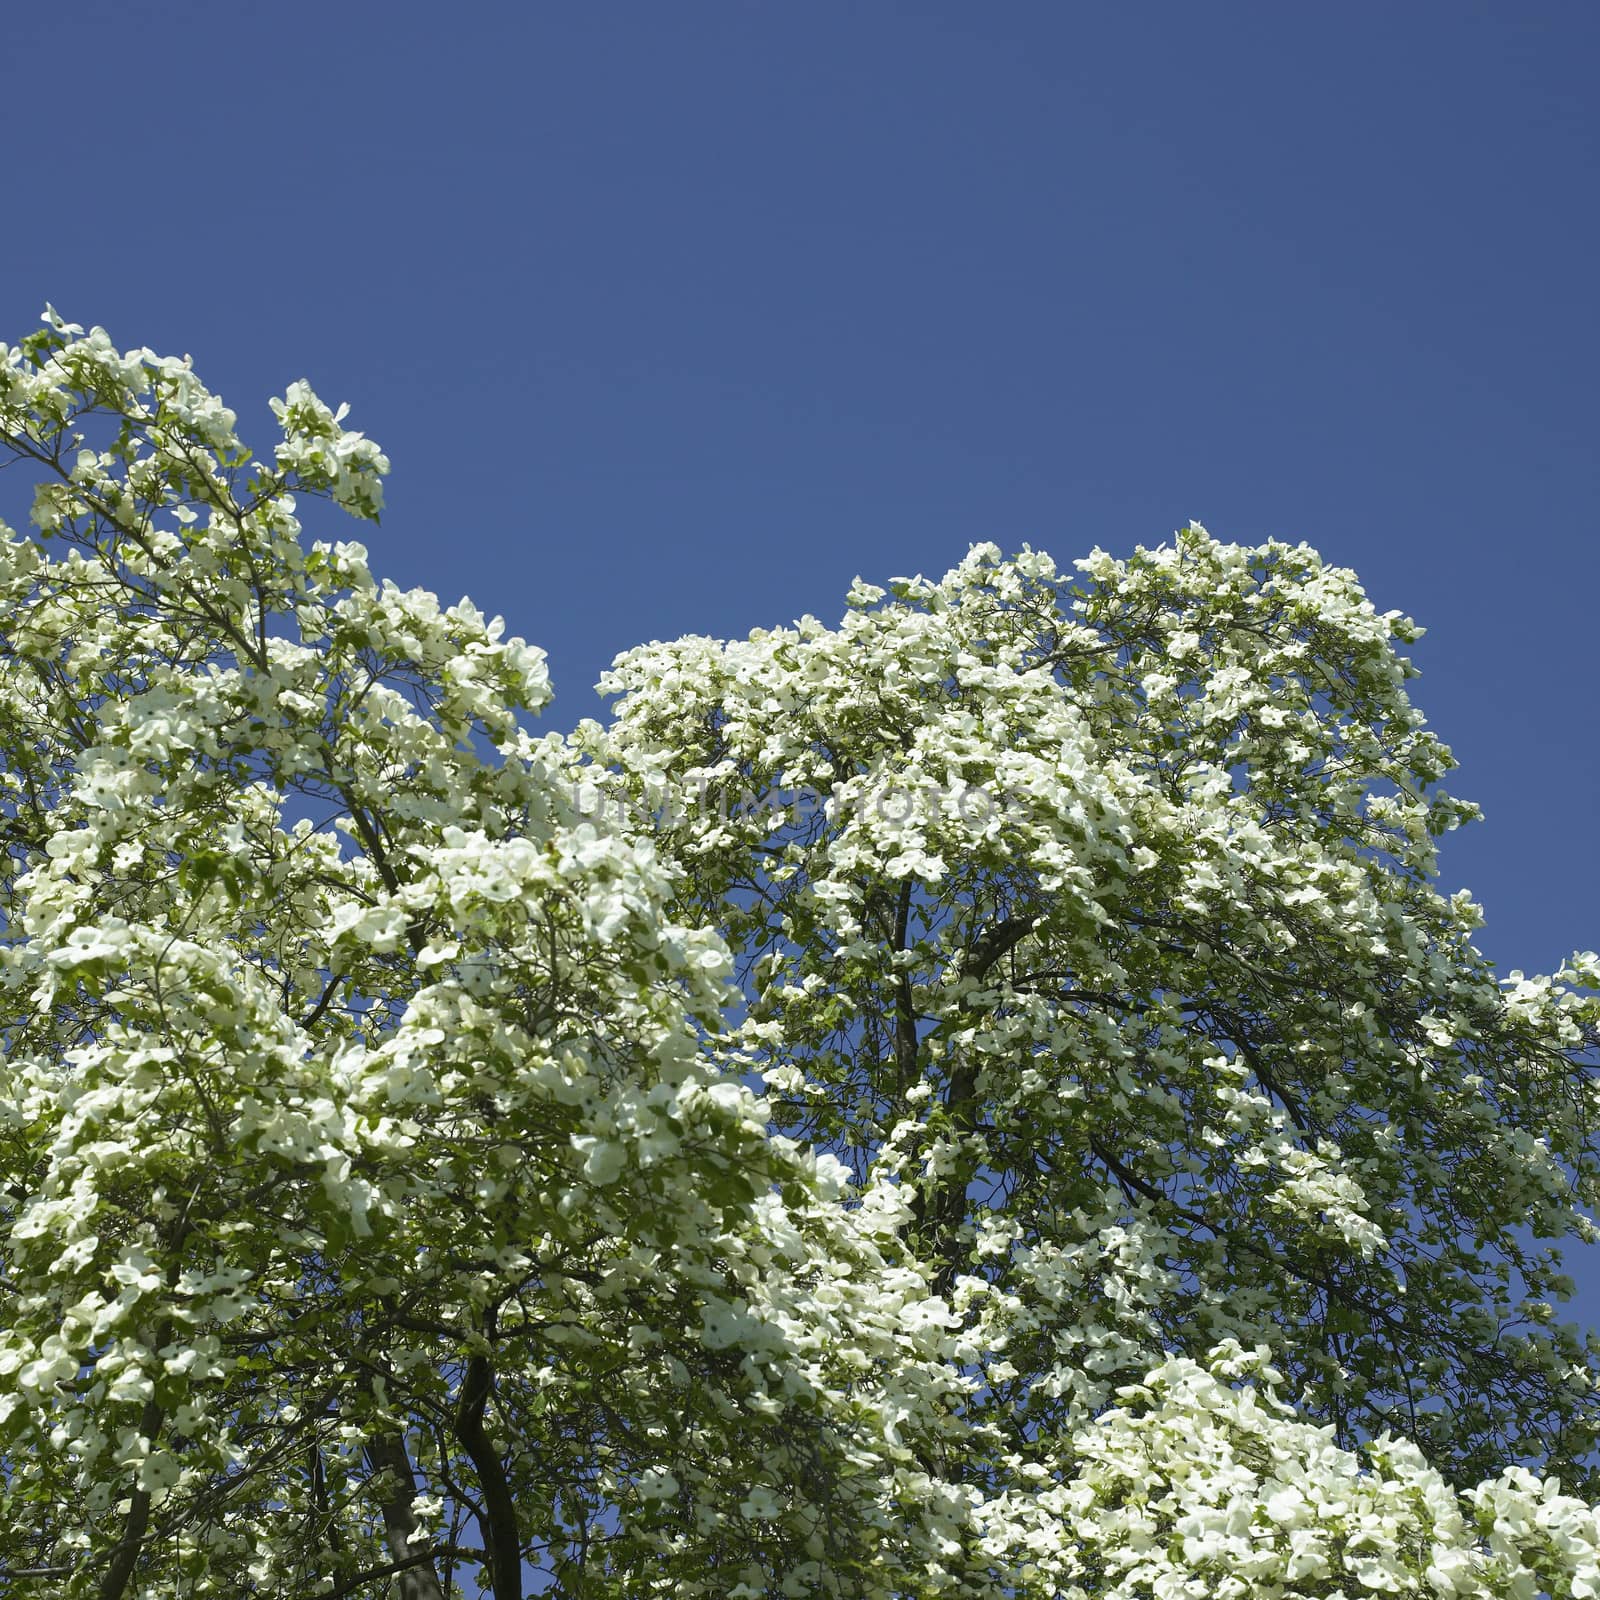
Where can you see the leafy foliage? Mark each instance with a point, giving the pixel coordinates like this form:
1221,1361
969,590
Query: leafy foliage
1051,1137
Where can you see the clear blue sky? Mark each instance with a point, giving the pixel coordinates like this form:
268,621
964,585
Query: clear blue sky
676,316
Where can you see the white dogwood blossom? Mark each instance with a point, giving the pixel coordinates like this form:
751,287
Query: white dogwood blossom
1100,907
373,1213
985,1100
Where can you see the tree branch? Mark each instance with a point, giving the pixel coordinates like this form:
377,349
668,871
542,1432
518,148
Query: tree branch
502,1537
126,1554
418,1580
350,1585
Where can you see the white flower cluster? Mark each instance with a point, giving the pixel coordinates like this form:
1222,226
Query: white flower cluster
1140,1190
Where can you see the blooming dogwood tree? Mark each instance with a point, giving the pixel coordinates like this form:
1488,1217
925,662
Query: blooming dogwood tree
375,1216
1116,936
1048,1138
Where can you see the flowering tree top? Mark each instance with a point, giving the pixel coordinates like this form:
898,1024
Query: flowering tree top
985,1098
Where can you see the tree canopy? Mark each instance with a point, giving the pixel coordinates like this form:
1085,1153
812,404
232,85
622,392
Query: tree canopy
985,1099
